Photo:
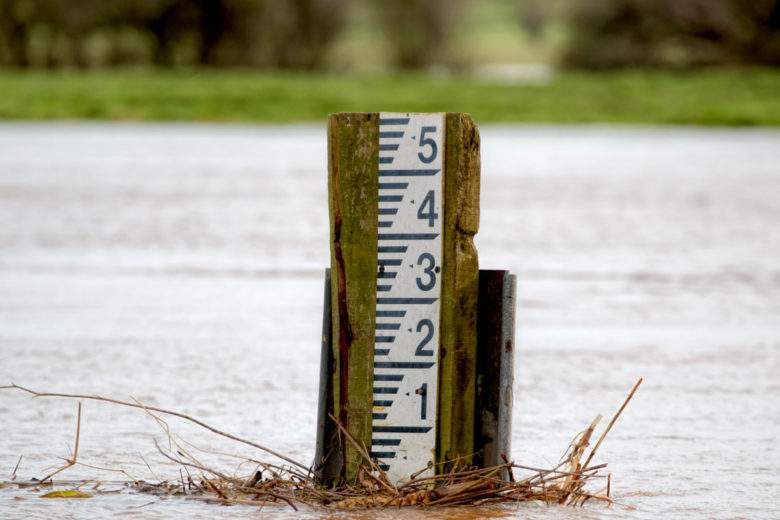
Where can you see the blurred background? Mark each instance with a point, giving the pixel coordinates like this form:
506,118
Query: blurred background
330,52
164,227
375,35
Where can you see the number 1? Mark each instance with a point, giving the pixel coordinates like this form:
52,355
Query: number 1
423,393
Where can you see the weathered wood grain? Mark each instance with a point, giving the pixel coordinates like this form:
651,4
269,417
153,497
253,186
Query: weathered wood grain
353,191
460,286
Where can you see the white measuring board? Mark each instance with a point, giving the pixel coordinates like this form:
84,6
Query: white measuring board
408,292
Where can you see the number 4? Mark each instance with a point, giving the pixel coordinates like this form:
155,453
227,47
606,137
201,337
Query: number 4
431,215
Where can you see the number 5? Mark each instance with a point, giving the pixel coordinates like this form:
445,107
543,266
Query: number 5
427,141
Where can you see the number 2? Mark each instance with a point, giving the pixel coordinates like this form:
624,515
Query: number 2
428,336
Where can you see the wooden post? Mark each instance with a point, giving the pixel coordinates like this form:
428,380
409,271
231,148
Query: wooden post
354,201
460,287
353,160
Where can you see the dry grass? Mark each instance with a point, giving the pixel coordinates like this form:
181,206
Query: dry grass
572,482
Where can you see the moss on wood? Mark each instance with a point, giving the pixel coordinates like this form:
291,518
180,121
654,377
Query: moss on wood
460,285
353,142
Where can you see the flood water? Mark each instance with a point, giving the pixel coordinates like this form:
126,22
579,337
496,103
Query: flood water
182,266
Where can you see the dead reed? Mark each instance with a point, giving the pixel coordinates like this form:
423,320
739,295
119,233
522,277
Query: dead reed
573,481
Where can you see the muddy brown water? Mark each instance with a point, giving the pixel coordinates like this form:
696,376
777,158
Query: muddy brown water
182,265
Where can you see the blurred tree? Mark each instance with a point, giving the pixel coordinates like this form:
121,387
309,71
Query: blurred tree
14,28
269,33
621,33
55,32
293,34
418,30
533,16
764,46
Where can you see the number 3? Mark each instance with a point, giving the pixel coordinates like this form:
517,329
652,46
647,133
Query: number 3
429,270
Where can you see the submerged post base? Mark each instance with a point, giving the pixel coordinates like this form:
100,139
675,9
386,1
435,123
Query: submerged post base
494,376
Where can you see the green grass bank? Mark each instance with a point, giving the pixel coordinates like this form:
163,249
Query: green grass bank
734,97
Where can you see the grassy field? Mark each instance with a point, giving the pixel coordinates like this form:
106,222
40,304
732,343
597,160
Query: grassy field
738,97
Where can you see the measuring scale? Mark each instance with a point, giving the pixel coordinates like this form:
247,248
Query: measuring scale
408,297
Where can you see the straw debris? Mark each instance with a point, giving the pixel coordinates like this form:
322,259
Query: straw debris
292,484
